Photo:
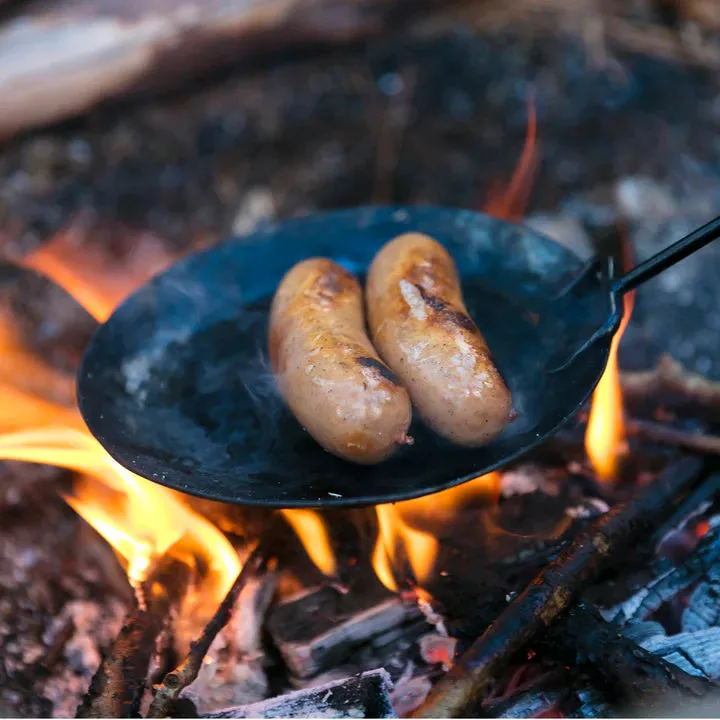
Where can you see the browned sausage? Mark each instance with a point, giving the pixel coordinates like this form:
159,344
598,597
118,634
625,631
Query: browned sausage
327,369
422,330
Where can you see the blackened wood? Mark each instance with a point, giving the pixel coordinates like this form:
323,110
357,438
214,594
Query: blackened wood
174,682
629,675
365,695
554,589
333,623
117,687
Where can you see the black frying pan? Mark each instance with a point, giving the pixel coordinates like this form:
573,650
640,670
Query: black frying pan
177,387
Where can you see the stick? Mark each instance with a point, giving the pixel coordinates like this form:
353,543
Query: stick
117,687
585,642
670,384
664,435
552,591
177,680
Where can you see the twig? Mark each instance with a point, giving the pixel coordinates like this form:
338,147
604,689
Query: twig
670,384
552,591
117,687
177,680
664,435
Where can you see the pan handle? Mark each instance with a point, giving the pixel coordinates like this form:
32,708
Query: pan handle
669,256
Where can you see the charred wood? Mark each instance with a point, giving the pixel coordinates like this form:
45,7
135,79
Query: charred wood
554,589
335,624
177,680
629,675
118,685
365,695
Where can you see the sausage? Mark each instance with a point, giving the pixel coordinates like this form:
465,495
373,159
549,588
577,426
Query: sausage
327,369
421,328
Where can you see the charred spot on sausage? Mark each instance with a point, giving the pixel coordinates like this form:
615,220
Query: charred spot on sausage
432,301
384,371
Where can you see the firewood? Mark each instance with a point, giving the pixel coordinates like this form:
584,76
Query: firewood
555,588
365,695
177,680
93,51
117,687
630,675
663,435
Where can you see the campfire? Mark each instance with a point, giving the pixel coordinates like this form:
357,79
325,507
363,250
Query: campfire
579,581
383,622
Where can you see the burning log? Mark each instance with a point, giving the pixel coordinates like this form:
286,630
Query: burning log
670,385
617,664
118,685
554,589
365,695
336,624
177,680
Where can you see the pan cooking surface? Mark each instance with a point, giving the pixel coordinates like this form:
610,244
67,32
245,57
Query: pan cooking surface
177,385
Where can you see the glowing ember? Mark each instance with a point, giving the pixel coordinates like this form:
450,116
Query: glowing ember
420,548
311,530
605,439
510,202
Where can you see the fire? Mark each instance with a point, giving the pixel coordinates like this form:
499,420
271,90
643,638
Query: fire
82,269
510,202
420,548
311,530
400,540
605,438
140,520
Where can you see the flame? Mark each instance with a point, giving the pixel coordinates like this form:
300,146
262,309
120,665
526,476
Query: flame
420,548
605,437
510,202
84,270
140,520
311,530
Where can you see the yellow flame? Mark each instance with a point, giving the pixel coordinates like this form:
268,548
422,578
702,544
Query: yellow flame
140,520
444,505
147,521
605,438
313,534
420,548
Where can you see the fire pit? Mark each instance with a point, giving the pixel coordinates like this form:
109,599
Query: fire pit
580,581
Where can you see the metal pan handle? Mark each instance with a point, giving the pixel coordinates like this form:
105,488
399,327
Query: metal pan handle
669,256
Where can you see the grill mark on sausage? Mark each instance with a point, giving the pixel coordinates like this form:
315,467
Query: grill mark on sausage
454,317
384,370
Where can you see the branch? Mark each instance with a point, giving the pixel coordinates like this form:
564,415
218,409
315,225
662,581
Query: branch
554,589
671,385
177,680
664,435
118,685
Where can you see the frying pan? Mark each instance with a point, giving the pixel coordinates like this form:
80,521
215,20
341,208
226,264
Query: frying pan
177,387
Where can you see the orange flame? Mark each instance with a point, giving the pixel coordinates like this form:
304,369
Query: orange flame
605,437
140,519
420,548
311,530
82,268
510,202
